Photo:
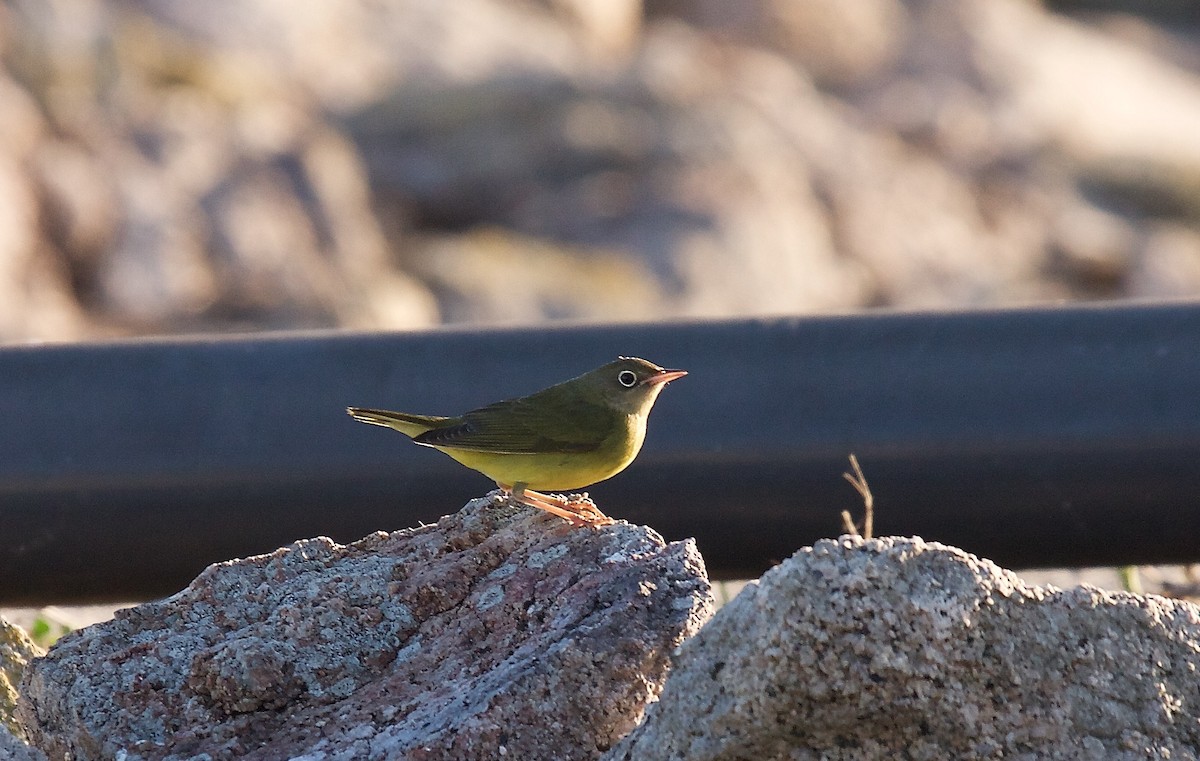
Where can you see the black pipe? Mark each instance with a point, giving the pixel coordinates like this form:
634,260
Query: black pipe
1043,437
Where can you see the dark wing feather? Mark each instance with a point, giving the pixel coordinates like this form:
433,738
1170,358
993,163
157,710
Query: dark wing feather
533,424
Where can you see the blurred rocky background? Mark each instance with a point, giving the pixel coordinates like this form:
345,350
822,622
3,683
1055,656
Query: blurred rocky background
176,167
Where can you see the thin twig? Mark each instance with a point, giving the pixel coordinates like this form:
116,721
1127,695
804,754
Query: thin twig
859,482
848,524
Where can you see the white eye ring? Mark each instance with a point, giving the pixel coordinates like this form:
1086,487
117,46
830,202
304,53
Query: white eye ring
627,378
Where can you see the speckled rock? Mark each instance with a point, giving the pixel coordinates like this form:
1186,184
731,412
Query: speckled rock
15,749
16,650
498,631
898,648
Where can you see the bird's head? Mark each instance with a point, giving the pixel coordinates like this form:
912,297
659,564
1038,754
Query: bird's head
627,384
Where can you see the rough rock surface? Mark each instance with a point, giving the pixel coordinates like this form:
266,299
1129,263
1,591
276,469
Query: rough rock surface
898,648
499,631
16,650
14,749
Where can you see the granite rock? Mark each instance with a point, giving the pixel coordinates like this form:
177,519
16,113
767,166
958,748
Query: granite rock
497,631
898,648
16,650
13,748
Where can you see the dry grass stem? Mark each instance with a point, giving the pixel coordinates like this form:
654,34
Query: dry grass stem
859,482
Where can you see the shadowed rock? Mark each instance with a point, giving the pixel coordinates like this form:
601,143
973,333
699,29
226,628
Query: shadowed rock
498,631
13,748
897,648
16,650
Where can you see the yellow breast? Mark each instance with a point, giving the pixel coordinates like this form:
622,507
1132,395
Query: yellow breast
560,471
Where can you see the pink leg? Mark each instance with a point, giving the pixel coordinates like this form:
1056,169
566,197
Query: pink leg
577,513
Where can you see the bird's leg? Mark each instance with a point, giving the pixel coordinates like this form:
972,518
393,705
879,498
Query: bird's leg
519,493
583,513
555,506
579,504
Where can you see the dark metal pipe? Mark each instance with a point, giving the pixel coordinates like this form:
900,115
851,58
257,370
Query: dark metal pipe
1043,437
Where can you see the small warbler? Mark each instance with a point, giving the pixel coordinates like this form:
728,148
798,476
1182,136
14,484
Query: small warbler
562,438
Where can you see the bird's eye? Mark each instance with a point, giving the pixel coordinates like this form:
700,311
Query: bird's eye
627,378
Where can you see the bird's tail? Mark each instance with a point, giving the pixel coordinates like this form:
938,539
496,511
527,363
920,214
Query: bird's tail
409,425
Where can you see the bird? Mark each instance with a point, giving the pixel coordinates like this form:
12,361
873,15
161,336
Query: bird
560,439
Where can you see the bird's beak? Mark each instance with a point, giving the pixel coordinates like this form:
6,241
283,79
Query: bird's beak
664,377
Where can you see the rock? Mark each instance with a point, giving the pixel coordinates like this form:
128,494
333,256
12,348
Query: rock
842,45
1168,263
895,647
14,749
175,167
475,276
203,190
16,650
498,631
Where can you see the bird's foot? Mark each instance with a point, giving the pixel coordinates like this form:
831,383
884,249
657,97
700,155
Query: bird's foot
579,510
582,503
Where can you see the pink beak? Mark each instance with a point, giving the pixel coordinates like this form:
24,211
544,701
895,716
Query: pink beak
665,377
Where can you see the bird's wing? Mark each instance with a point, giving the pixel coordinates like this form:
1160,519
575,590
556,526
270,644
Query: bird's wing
526,426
